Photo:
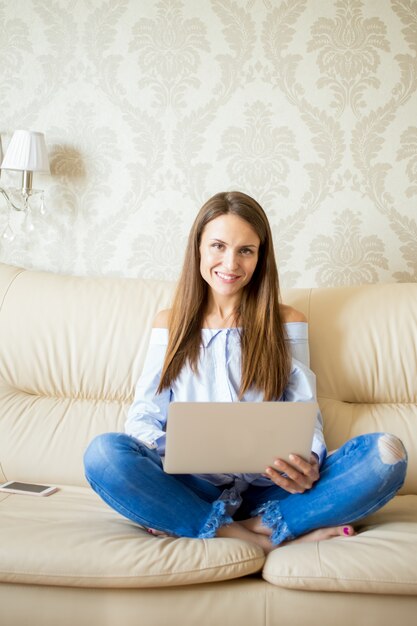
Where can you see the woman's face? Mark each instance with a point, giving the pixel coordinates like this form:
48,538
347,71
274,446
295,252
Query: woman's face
229,250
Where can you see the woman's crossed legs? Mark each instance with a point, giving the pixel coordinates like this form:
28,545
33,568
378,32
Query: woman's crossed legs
355,481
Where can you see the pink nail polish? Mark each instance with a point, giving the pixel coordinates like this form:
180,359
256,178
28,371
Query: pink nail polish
346,530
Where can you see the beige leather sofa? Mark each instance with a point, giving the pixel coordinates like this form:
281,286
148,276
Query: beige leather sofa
71,350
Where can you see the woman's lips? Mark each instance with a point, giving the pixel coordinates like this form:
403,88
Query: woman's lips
228,278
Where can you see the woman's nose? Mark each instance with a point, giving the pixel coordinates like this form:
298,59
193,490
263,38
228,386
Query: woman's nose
230,260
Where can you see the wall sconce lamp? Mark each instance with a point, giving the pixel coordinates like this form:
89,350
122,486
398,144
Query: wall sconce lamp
26,153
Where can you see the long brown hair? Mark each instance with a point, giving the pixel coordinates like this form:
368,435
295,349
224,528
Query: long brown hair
265,358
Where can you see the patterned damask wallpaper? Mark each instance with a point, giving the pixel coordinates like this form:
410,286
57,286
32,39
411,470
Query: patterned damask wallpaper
151,106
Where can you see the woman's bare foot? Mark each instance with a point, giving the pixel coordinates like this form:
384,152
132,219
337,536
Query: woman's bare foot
255,525
322,534
232,530
253,530
238,531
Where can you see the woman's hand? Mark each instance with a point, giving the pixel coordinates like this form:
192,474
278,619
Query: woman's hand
299,476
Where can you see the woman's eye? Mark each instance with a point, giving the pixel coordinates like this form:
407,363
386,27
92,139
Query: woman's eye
217,246
246,251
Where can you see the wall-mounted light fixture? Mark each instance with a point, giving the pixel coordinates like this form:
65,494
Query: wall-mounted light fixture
26,153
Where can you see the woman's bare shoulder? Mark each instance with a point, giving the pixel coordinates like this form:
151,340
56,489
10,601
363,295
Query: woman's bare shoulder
289,314
161,319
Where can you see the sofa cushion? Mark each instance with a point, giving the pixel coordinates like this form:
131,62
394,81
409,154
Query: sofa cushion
72,539
381,558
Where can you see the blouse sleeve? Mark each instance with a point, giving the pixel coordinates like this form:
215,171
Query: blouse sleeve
147,415
297,338
302,385
302,388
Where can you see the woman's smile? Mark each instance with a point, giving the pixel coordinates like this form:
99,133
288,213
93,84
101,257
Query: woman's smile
228,278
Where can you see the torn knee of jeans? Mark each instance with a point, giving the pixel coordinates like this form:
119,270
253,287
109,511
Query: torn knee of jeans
391,449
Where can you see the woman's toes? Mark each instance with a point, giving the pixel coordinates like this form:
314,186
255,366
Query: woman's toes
336,531
156,533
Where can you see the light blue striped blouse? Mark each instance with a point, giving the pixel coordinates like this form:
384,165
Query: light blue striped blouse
217,380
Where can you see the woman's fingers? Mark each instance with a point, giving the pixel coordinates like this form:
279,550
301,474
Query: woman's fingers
285,483
297,477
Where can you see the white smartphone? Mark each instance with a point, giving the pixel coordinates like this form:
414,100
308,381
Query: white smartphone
28,489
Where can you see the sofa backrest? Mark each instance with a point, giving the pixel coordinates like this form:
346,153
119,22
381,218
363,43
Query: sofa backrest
72,348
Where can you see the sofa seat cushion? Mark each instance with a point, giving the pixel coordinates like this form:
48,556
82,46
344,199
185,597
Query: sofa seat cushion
71,538
381,558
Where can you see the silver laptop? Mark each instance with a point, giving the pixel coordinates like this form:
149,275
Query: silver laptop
236,437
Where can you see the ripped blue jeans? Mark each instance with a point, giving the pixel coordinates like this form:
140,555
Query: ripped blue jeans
355,481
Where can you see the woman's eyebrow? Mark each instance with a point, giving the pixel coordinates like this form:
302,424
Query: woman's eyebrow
245,245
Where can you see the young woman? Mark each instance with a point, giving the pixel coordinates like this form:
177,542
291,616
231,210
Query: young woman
227,338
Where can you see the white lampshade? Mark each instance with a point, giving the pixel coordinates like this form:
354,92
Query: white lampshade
26,152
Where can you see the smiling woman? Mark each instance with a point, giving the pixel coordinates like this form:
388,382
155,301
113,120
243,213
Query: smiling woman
226,339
